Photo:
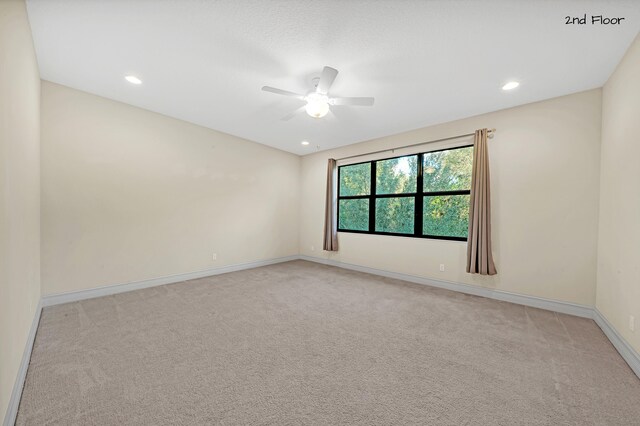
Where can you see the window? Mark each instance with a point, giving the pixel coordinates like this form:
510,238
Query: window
422,195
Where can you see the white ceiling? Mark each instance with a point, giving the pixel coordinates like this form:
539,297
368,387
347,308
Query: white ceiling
425,62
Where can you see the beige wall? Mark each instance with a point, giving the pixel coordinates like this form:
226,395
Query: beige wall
129,195
19,190
545,177
618,294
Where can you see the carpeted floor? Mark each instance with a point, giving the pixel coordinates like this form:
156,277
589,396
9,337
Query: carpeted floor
301,343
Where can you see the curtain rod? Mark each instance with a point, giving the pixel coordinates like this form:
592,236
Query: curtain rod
490,135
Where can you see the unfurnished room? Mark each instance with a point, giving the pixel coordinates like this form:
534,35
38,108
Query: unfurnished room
297,212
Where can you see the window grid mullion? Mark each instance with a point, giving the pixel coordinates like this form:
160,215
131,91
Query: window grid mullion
353,197
372,199
417,213
338,202
441,193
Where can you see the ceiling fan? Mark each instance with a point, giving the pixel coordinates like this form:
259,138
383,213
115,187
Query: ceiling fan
318,99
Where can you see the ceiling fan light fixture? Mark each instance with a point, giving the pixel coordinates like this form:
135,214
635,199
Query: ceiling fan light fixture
318,100
317,105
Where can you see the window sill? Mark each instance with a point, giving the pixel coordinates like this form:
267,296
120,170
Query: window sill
394,234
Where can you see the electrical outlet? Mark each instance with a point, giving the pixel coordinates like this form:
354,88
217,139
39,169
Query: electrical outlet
442,267
632,323
214,257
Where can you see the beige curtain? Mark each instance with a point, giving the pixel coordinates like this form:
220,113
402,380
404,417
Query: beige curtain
479,256
330,218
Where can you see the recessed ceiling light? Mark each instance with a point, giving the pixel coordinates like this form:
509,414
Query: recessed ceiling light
510,85
133,79
304,143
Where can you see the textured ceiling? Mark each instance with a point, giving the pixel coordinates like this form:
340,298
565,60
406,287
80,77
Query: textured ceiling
425,62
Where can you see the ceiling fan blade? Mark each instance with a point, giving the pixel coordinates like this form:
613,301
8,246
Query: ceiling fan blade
282,92
292,114
326,80
352,101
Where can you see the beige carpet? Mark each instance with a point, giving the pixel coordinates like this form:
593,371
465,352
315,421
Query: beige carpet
301,343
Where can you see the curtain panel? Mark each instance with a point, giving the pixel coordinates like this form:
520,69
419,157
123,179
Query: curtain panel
330,209
479,256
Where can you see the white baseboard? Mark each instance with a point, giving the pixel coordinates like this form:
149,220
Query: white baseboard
630,355
72,296
533,301
16,393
